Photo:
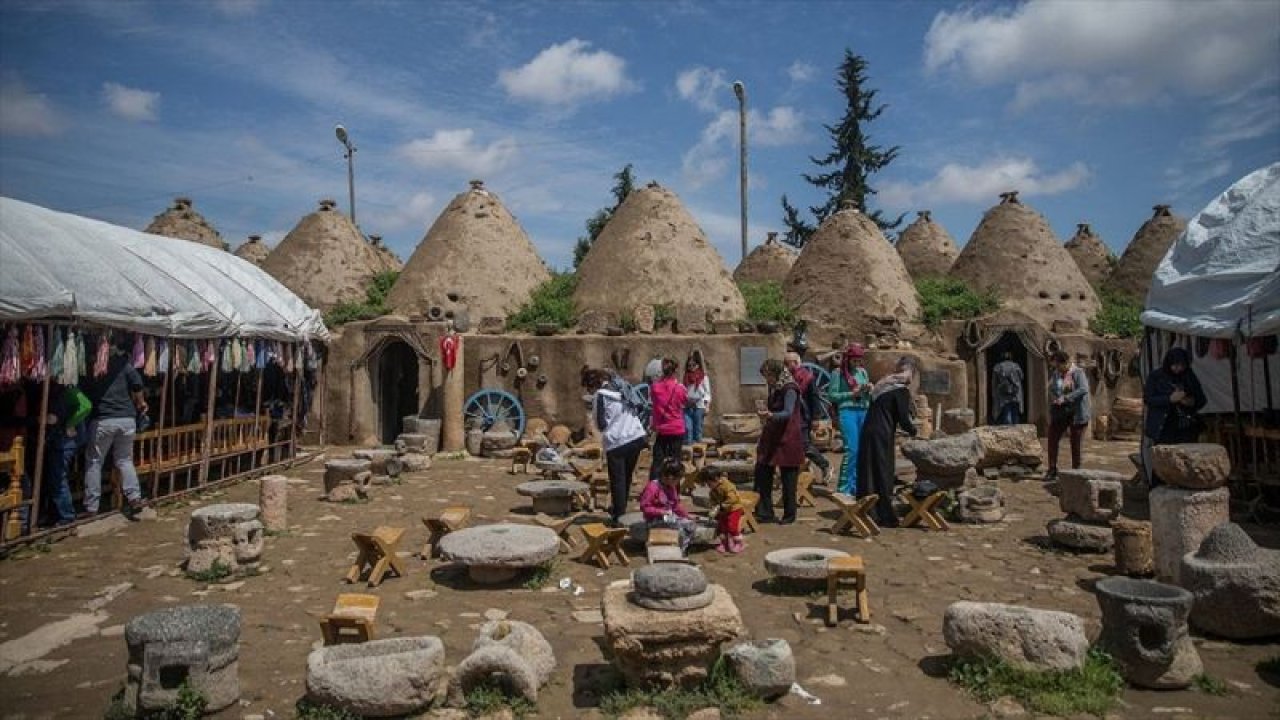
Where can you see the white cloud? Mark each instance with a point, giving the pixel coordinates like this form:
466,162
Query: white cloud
703,87
567,74
711,157
982,183
457,149
237,8
801,72
130,103
1103,52
414,212
272,238
1206,156
23,112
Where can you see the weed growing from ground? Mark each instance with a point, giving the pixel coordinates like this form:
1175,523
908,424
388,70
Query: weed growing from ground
307,710
217,571
1092,688
488,698
1210,685
541,575
721,690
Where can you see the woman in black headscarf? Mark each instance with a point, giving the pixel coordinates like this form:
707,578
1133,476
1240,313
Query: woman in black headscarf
1173,399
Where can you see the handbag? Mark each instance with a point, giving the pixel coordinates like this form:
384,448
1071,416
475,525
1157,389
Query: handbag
1186,421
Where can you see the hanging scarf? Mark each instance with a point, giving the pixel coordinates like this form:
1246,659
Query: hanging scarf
851,353
250,354
246,353
102,357
260,354
162,363
56,364
139,355
71,360
1061,383
693,378
891,382
209,355
149,365
224,357
235,353
27,353
82,356
40,370
9,369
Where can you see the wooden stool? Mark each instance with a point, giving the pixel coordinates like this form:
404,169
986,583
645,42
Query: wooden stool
351,620
839,568
923,512
691,476
804,498
698,453
663,545
378,553
854,515
749,500
450,520
602,542
521,457
560,526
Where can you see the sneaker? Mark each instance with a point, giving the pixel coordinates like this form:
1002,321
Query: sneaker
132,509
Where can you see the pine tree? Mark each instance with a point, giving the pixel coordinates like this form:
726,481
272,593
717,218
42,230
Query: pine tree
852,160
624,183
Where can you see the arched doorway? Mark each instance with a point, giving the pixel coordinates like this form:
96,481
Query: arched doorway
1011,345
397,388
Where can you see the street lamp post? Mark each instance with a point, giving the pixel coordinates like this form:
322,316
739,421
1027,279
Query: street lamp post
350,155
741,91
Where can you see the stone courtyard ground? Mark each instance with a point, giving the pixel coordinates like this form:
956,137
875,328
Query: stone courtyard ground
63,607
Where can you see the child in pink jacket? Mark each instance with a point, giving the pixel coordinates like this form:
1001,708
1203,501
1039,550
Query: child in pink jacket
660,503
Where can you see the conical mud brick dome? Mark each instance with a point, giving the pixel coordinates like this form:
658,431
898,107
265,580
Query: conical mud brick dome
1132,275
183,222
1091,255
653,253
848,275
1014,252
475,259
388,261
324,259
926,248
253,250
769,262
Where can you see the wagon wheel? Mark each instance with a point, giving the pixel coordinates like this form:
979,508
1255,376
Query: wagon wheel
821,379
646,413
487,408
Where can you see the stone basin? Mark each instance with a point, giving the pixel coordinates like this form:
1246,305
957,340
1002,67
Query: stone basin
497,553
739,471
553,497
1144,627
802,563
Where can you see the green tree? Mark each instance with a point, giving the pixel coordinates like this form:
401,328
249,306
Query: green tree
852,160
623,184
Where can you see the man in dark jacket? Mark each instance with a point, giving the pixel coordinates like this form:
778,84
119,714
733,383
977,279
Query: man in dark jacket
117,399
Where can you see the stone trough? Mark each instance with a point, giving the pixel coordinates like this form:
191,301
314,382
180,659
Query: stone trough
497,553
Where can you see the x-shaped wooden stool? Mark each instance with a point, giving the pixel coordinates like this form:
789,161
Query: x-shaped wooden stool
377,551
698,453
854,515
603,541
351,620
923,512
451,519
691,477
749,499
560,526
520,458
804,498
839,568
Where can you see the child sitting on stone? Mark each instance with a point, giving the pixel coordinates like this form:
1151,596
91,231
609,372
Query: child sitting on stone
660,502
729,511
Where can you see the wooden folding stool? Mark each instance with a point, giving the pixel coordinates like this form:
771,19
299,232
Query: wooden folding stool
451,519
560,526
603,541
749,499
804,498
855,514
691,477
698,453
924,512
521,458
377,552
839,568
352,619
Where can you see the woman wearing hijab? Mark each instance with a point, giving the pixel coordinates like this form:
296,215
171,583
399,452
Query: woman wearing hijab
1069,409
850,393
698,387
1173,397
781,443
890,409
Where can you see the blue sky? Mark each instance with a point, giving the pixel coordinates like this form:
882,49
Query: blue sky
1095,111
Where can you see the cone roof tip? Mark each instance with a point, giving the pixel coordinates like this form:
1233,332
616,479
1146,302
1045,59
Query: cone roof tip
925,215
1009,197
181,202
327,204
1161,210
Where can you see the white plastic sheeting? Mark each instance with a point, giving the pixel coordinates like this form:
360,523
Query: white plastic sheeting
55,265
1222,276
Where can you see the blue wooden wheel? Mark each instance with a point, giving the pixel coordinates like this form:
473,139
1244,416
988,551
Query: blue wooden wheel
821,380
487,408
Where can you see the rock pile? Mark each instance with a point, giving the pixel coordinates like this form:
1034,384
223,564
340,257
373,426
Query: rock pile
199,643
1091,499
1236,585
379,678
228,535
1022,636
497,553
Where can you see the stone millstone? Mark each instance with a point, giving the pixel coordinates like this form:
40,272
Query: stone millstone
674,604
668,580
804,563
500,547
1195,466
982,504
1236,585
1072,532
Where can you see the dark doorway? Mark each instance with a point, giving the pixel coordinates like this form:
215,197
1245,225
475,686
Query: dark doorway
397,388
1008,343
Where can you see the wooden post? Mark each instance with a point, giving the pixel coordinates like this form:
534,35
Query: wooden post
453,437
297,395
257,419
208,421
34,515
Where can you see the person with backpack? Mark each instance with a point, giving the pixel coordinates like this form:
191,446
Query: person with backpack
615,412
810,407
1006,391
669,398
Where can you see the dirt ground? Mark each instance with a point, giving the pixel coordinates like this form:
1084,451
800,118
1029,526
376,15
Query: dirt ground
888,669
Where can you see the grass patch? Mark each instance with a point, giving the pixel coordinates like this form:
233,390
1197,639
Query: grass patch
489,698
551,302
722,690
663,315
276,533
307,710
952,299
373,306
217,571
190,705
765,303
541,575
1119,315
1090,689
1210,685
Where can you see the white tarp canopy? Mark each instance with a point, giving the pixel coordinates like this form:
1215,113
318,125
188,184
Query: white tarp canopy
58,266
1221,280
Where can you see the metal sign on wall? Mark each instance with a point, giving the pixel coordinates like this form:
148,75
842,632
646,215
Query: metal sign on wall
749,361
935,382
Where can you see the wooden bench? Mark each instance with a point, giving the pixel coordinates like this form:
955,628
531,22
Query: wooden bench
603,541
841,568
352,619
855,514
12,461
924,511
377,554
451,519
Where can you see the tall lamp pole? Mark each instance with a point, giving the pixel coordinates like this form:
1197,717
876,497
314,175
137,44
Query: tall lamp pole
741,91
350,155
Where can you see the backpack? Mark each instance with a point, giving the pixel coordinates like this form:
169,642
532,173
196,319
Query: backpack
1006,385
632,398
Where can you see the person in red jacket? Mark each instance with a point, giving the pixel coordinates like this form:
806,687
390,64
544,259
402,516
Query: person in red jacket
669,397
